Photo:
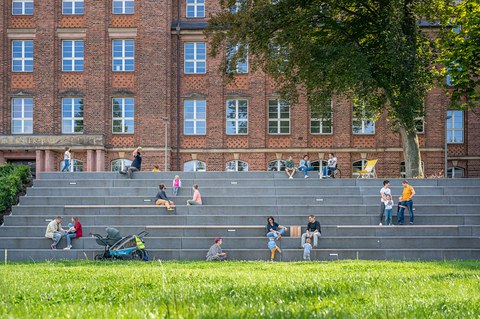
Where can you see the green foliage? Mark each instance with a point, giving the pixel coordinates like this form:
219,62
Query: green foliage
344,289
13,179
460,54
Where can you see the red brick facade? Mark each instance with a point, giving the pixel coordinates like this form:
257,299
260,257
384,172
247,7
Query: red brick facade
160,87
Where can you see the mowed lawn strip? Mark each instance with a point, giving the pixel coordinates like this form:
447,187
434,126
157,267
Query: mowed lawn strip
342,289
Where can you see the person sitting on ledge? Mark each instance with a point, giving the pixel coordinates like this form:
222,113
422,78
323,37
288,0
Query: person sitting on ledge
274,229
313,230
215,251
55,231
136,164
305,166
197,198
162,199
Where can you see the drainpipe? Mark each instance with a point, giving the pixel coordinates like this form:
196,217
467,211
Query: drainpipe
178,85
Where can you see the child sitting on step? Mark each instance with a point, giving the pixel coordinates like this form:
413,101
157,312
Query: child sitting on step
272,245
177,183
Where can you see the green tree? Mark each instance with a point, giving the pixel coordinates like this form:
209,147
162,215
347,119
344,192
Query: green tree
372,52
460,54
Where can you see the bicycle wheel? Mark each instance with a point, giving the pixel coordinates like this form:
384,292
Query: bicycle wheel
337,173
137,255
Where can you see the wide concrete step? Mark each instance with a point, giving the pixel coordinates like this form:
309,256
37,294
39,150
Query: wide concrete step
255,254
261,210
165,219
259,231
350,242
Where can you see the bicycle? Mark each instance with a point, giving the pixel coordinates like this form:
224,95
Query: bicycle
333,173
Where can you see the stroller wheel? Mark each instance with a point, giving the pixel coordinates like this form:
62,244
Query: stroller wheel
99,257
137,255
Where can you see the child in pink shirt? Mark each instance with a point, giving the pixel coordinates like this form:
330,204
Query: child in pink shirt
197,198
177,183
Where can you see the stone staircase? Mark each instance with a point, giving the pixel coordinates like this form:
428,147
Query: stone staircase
447,216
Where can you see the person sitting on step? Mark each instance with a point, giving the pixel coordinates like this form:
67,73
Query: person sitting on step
55,231
274,229
136,164
215,252
313,230
197,198
305,166
162,199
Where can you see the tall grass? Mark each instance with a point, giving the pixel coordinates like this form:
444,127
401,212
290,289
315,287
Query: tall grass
344,289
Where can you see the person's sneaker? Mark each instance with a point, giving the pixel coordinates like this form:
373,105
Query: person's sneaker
380,224
411,223
279,237
68,247
53,247
306,176
291,177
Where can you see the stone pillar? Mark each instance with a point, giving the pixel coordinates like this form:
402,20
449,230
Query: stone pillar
49,161
2,158
100,160
39,163
90,161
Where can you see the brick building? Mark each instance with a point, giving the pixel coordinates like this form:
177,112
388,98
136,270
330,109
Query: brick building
105,76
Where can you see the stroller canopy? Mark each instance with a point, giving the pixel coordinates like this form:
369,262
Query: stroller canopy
113,235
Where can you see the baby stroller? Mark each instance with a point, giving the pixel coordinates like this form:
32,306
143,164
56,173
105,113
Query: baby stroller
130,247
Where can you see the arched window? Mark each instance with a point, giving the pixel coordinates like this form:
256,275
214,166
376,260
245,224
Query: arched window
403,169
276,166
316,164
358,166
237,166
455,172
194,166
119,164
75,165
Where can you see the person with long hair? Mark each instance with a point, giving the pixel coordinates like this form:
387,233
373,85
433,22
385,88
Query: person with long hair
73,232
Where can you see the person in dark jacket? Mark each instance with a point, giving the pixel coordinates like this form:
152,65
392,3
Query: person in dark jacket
313,230
162,199
136,164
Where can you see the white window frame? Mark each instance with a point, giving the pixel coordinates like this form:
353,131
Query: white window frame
195,119
320,121
237,120
24,4
451,172
23,119
75,165
74,9
277,164
123,6
236,164
22,58
73,58
364,119
278,119
71,105
196,165
236,7
403,168
195,60
241,67
123,118
196,4
123,58
454,129
119,163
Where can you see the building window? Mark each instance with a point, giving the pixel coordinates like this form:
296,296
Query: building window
195,57
242,62
119,164
276,166
455,172
194,166
72,115
237,117
22,7
403,170
73,7
123,7
75,165
72,55
195,117
362,121
22,116
454,126
123,55
278,117
22,56
237,6
357,166
195,8
237,166
321,121
123,118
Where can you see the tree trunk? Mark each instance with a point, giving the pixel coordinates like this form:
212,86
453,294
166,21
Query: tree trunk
411,153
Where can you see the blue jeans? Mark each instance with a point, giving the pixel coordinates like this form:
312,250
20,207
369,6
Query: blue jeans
401,211
388,216
305,169
69,237
56,238
327,170
275,233
175,191
66,166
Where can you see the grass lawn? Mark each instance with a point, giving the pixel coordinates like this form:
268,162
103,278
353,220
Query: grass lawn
343,289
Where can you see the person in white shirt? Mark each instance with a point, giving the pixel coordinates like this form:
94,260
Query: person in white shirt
66,159
331,165
383,197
